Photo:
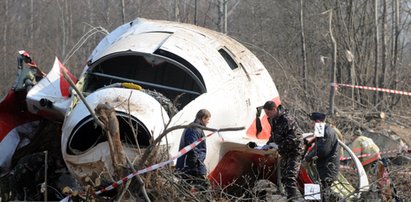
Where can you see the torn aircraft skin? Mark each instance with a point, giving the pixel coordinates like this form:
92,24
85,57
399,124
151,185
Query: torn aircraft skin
154,73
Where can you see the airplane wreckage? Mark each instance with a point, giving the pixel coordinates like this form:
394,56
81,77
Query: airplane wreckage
153,75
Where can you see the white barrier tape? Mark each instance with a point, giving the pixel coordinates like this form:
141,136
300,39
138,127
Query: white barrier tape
367,155
375,89
155,166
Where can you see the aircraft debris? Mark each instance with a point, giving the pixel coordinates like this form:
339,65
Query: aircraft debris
142,80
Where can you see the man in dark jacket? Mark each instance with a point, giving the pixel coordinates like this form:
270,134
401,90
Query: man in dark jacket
325,151
288,136
191,165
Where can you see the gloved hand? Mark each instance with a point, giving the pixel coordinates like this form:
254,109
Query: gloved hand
251,145
266,147
258,109
258,125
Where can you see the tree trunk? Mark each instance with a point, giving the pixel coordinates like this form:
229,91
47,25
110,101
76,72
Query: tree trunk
176,11
394,60
384,52
333,67
123,12
195,11
225,16
220,22
5,29
376,52
303,53
31,33
396,34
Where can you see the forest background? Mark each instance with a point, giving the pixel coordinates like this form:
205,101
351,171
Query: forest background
308,46
305,45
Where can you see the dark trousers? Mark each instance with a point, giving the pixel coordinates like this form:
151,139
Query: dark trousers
290,166
199,182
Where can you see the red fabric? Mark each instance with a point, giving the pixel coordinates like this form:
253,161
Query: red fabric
266,132
236,164
13,112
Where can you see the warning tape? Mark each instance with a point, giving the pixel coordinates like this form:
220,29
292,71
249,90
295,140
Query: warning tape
375,89
155,166
367,155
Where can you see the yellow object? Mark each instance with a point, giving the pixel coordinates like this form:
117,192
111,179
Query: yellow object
341,188
131,86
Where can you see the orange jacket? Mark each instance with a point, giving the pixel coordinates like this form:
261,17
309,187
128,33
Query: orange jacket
366,149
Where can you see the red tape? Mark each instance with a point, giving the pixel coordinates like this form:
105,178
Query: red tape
155,166
385,90
367,155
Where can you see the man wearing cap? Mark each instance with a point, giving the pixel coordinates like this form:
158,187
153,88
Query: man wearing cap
288,136
324,151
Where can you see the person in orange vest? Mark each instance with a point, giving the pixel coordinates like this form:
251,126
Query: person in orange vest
365,149
370,156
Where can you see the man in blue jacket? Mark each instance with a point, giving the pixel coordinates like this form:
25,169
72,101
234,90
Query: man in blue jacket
191,165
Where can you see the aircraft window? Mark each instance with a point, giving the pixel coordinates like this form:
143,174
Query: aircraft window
227,57
165,77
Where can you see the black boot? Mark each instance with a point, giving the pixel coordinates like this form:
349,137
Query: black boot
292,194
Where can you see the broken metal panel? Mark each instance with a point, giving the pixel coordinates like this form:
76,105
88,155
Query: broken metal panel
134,28
130,41
17,138
97,161
50,96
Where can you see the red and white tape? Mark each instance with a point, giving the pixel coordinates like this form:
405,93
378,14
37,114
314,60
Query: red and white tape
367,155
374,89
155,166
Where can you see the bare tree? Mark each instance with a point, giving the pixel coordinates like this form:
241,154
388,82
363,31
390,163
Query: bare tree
5,29
304,67
376,50
31,24
221,9
396,33
123,12
334,64
176,11
383,52
195,11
